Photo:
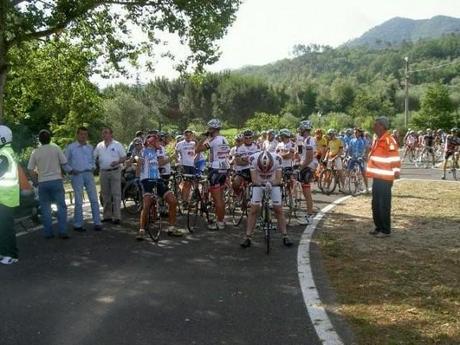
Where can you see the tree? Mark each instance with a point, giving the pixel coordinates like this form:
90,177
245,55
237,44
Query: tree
436,110
105,26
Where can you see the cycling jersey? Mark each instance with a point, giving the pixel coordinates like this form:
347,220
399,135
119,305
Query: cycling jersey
270,146
164,169
451,143
428,140
411,140
219,153
356,147
309,144
245,151
334,146
284,148
186,152
150,166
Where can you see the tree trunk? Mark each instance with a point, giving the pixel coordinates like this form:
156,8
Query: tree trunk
3,52
3,72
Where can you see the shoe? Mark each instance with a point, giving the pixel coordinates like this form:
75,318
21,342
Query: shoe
246,243
287,242
172,231
8,260
374,232
221,225
106,220
116,221
79,229
98,227
64,236
382,235
48,237
307,220
140,235
213,227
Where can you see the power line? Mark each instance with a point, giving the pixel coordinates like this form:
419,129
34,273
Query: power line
435,67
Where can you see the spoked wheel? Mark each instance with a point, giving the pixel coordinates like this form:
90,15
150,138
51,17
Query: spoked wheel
132,197
238,208
153,227
292,207
354,182
193,211
327,181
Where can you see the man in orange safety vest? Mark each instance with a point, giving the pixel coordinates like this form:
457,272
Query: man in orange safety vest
384,166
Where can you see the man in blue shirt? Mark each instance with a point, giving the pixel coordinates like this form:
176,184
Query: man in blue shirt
149,171
357,151
80,157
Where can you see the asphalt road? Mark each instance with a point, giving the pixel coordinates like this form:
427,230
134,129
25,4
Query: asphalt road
106,288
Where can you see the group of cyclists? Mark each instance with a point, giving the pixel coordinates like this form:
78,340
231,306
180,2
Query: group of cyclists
264,164
431,146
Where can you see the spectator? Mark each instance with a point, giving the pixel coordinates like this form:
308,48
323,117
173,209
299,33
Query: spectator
12,181
80,158
384,167
46,163
110,154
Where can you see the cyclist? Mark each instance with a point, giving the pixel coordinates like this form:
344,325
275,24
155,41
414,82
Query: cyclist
321,144
333,155
139,137
165,166
271,143
451,149
428,145
242,154
185,153
357,151
286,150
266,173
347,137
410,142
231,156
308,164
148,165
219,165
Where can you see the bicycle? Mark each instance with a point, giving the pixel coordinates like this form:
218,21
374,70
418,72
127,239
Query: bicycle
354,180
292,194
328,180
266,223
131,197
199,204
153,226
424,159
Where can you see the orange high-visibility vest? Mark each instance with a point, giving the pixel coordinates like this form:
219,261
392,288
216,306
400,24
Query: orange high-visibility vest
384,158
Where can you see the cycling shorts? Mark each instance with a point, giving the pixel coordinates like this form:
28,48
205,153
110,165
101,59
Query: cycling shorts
148,185
337,161
188,170
447,154
358,161
306,175
257,194
217,177
287,173
245,173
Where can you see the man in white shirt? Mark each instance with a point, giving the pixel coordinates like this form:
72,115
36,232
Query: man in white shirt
266,175
271,143
219,165
242,155
46,163
110,154
185,153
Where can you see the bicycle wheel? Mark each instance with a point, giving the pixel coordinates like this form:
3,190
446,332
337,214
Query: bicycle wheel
193,210
327,181
238,208
153,226
267,228
292,206
132,197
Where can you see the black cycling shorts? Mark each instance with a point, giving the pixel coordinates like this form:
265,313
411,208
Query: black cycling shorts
448,154
306,175
148,186
217,177
287,173
245,173
188,170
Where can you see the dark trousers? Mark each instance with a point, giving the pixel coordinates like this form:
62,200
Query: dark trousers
7,233
381,205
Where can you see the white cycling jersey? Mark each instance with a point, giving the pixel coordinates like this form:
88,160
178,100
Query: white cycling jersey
164,169
270,146
283,148
219,151
309,143
186,152
245,151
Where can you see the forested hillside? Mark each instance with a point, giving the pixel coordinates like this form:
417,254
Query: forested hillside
339,88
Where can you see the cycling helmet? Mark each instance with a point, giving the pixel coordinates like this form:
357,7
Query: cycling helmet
179,137
349,131
239,137
454,130
137,141
248,133
6,136
285,133
265,161
271,131
331,131
188,131
305,125
215,124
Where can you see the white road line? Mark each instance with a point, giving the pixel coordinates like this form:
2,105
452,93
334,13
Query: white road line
316,311
425,179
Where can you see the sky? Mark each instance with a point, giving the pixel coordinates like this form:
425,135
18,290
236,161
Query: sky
266,30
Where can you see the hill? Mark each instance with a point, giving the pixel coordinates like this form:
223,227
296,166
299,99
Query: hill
398,30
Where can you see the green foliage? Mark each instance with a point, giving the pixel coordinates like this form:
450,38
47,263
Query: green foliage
264,121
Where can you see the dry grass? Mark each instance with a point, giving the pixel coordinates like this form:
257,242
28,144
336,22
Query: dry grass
404,289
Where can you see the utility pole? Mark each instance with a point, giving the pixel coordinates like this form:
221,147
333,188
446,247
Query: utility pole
406,93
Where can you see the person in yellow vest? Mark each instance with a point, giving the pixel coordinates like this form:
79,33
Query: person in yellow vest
384,166
12,181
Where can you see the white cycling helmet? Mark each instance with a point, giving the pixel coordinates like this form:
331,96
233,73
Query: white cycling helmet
285,132
215,124
304,125
6,136
265,161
